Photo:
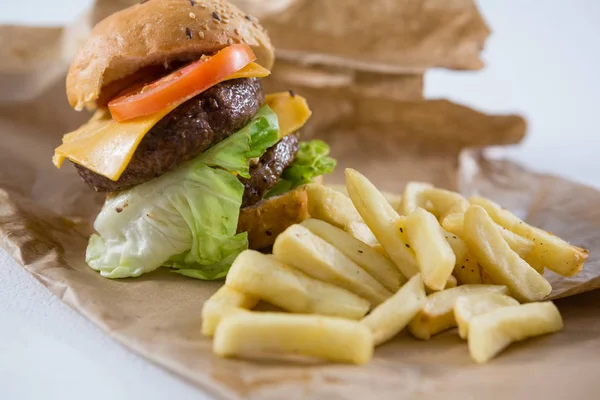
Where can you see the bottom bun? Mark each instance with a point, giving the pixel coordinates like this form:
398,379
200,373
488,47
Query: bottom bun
268,218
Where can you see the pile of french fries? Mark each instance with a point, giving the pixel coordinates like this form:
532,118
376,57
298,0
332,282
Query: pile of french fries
368,264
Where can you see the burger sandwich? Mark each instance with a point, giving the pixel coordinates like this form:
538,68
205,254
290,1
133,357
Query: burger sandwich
198,164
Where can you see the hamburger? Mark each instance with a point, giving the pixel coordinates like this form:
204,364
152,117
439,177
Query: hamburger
198,163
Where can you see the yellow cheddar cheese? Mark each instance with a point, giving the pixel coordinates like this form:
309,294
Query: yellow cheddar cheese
252,70
105,146
292,111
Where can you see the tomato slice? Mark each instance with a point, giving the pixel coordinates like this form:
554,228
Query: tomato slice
181,85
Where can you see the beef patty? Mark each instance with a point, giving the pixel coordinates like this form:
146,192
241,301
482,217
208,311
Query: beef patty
186,132
265,173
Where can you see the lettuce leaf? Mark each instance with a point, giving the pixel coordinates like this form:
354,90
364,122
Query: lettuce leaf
311,160
185,219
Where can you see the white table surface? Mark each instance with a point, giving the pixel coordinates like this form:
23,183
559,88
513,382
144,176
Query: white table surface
542,62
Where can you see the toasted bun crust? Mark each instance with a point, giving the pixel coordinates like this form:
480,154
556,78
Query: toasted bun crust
153,33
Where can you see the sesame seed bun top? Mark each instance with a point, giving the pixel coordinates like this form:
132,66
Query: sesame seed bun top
154,33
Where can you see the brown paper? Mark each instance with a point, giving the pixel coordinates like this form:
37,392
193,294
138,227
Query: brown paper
381,35
45,217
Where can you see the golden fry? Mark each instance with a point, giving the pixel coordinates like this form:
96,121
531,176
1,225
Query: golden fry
224,300
381,219
438,313
304,250
548,250
331,206
379,267
266,278
468,307
413,197
496,257
493,331
434,255
269,334
361,231
394,314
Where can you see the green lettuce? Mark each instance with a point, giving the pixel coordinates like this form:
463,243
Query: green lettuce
187,218
312,160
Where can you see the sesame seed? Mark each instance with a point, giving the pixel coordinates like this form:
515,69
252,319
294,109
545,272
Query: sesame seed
230,41
248,17
193,2
236,31
204,27
188,33
192,15
216,16
201,35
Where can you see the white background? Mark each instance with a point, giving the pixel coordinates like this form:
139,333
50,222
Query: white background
542,62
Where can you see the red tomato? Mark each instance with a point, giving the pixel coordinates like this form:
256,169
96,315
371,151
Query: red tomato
181,85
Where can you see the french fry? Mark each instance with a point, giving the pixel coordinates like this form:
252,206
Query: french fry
223,301
468,307
444,201
338,187
379,248
496,257
535,263
361,231
493,331
381,219
264,277
452,282
468,271
453,222
434,255
550,251
452,219
486,278
379,267
517,243
392,198
459,247
466,268
268,334
413,197
304,250
438,313
331,206
394,314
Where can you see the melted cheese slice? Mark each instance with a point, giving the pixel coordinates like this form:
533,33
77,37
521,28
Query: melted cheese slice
292,111
105,146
